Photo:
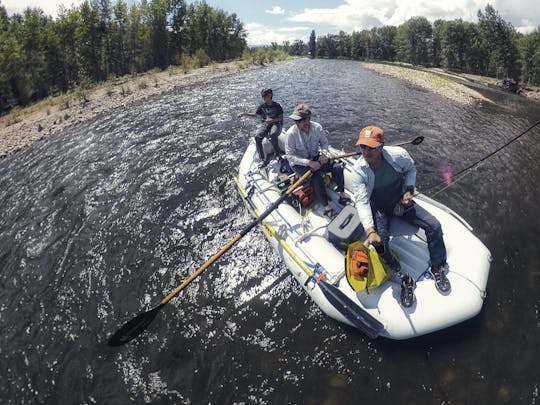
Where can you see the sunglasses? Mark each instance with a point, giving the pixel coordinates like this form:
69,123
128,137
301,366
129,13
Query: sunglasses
364,147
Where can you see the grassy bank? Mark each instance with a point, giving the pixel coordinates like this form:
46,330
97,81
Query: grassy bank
23,126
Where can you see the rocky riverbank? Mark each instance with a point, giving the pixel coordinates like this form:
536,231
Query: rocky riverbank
23,127
433,81
447,84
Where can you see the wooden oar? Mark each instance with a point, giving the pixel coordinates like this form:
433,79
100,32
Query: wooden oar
416,141
137,325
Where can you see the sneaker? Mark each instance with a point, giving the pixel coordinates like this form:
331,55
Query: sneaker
407,290
441,282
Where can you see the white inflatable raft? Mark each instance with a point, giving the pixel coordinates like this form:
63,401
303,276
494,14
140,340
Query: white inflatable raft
301,238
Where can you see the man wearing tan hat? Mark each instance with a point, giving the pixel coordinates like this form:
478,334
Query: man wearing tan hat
307,149
384,187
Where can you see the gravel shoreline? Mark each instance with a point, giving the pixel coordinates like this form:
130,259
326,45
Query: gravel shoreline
434,81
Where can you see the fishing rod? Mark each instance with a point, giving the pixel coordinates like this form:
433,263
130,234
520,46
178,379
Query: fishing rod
462,173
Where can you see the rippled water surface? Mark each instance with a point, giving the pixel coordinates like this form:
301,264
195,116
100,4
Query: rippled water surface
101,221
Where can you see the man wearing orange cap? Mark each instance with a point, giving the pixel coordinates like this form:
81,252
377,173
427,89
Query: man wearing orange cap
384,186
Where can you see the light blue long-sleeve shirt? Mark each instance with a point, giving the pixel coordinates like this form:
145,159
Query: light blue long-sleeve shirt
300,148
363,180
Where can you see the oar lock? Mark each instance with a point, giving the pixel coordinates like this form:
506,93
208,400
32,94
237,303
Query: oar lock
318,275
250,190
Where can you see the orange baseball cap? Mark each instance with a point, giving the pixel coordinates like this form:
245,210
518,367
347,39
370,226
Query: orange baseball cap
371,136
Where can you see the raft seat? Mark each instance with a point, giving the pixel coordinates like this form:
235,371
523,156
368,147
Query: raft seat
398,227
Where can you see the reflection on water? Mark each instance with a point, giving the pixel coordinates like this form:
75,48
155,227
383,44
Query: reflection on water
101,221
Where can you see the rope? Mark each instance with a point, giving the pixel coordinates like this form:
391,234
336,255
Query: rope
462,173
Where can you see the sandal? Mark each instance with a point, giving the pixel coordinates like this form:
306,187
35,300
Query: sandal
441,282
331,214
261,164
407,290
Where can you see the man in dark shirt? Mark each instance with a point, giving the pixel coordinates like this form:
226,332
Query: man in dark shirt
271,115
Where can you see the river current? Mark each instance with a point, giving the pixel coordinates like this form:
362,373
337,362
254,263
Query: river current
99,222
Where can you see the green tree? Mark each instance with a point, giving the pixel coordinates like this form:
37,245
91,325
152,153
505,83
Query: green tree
327,46
33,76
157,20
177,11
454,44
367,44
66,32
299,48
313,44
499,40
119,40
529,51
413,41
343,45
88,37
357,50
385,39
139,39
10,58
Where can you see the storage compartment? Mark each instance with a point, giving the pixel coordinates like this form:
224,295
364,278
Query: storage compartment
345,228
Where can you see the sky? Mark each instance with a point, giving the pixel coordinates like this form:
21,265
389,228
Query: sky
278,21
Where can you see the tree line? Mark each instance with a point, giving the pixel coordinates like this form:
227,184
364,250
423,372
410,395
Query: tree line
98,39
491,47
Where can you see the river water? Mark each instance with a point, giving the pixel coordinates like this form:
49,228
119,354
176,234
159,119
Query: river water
101,221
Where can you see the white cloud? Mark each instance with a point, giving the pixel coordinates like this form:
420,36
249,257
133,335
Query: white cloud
527,29
276,10
49,7
364,14
356,15
259,34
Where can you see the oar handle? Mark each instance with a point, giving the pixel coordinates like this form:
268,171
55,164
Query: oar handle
346,155
416,141
298,183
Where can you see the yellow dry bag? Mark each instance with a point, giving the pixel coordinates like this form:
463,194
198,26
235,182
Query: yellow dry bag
364,269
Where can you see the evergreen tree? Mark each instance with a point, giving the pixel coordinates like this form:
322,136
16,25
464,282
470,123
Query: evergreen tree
312,45
414,41
529,50
499,40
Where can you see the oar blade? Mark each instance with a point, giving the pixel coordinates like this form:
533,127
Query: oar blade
418,140
133,328
358,317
